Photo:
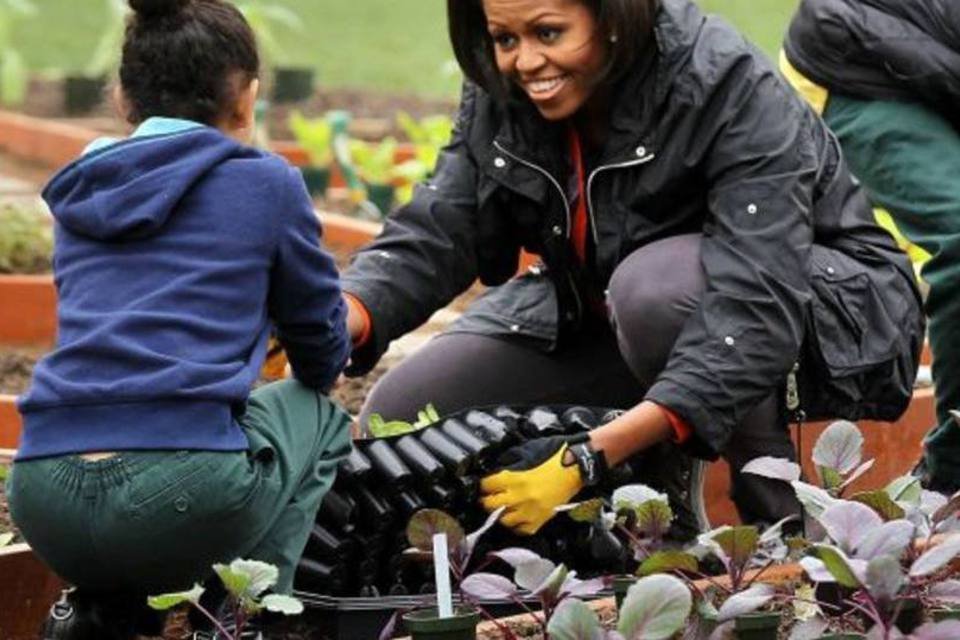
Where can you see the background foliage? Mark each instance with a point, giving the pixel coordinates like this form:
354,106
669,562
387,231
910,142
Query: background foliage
393,45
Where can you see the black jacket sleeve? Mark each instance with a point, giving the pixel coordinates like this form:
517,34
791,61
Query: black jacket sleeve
761,168
426,254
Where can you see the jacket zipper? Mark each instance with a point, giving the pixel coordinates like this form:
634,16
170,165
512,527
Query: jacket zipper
566,207
644,159
553,181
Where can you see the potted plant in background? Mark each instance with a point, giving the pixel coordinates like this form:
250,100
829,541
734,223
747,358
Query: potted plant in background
13,69
375,165
427,135
85,90
26,240
290,83
315,135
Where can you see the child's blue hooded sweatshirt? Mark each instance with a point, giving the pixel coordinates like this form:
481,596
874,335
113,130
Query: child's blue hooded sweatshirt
176,251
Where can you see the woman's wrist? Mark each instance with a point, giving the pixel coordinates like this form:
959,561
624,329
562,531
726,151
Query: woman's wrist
358,320
639,428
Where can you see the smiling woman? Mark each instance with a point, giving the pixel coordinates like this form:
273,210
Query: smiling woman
699,234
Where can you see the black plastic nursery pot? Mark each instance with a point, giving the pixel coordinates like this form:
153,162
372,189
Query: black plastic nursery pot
82,93
757,626
382,196
426,625
292,84
317,179
622,584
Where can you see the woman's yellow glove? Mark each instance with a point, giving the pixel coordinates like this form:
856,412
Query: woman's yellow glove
541,477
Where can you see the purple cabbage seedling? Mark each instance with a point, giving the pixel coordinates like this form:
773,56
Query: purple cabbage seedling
246,582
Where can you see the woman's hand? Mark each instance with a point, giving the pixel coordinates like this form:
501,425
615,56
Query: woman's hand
540,475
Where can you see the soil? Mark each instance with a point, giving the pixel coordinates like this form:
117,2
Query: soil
16,367
45,99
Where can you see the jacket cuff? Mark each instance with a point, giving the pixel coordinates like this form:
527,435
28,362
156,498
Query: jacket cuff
707,436
361,310
681,430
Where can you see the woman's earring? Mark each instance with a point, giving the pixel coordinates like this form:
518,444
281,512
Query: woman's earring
613,38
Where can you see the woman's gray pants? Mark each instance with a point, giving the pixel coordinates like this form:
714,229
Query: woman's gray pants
650,295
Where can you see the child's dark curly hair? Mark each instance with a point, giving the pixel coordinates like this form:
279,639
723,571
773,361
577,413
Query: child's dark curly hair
186,59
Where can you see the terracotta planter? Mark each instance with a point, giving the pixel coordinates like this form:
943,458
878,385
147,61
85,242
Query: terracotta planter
27,590
895,446
10,423
29,315
44,141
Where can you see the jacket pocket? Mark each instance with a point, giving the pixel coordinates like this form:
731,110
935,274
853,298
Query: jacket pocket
860,354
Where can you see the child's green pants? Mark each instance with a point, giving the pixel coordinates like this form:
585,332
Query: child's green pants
155,521
908,159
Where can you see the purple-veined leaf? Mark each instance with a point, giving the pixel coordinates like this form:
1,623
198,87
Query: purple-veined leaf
816,570
577,588
948,509
424,524
839,447
631,496
812,629
488,586
812,497
723,631
515,556
847,572
587,511
891,538
531,575
857,473
945,630
931,502
551,586
573,620
775,531
655,608
935,558
774,468
469,543
847,523
387,632
654,518
746,601
947,591
884,578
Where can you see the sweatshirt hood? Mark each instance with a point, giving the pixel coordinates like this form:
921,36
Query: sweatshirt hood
129,189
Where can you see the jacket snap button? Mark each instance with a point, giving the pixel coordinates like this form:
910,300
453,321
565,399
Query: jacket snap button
729,341
752,209
831,270
499,163
641,151
514,328
557,230
181,504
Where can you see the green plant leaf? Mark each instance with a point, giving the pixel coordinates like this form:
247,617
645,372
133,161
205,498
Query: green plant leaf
5,539
315,135
664,561
881,503
574,620
167,601
838,565
235,583
654,518
261,575
280,603
738,543
905,489
587,511
426,523
655,608
831,478
378,428
13,77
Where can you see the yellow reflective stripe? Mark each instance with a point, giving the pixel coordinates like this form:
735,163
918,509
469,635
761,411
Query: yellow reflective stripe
814,94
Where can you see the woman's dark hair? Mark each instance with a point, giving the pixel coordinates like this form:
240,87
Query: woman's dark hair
631,21
79,615
186,59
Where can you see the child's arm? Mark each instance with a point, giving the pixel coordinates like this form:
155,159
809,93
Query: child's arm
306,303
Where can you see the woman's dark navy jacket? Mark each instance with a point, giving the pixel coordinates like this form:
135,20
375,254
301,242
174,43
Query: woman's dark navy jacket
705,138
